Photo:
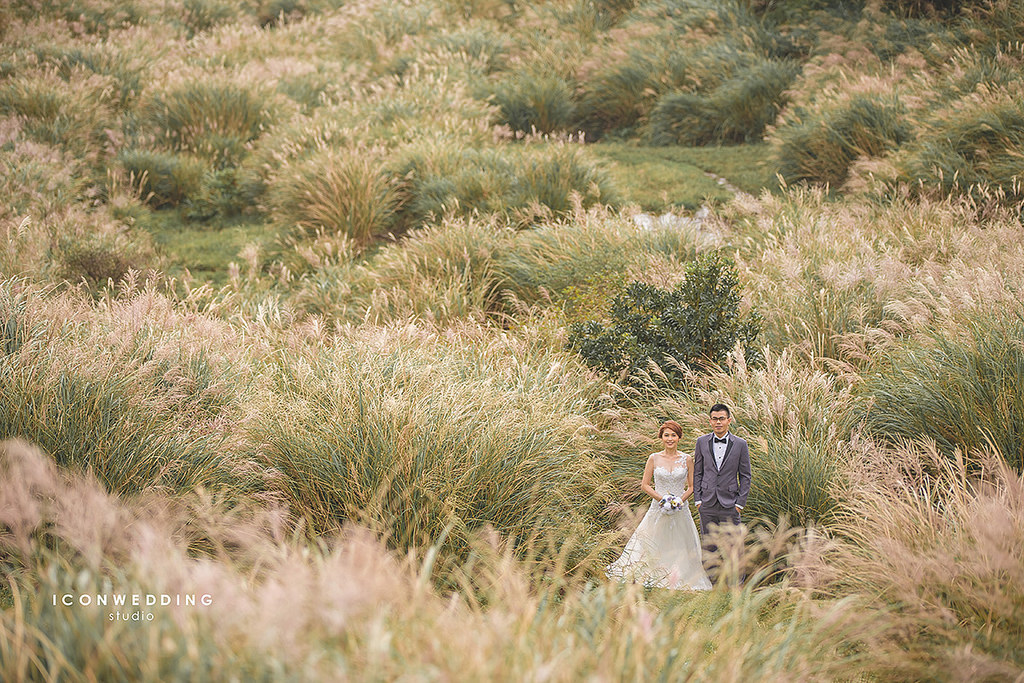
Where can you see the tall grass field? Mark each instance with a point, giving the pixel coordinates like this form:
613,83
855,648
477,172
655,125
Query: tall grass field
335,334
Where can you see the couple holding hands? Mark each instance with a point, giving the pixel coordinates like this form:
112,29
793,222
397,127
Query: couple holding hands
665,551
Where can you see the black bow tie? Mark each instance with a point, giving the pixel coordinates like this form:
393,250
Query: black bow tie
722,440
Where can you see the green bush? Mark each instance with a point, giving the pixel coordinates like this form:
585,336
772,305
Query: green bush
694,326
964,390
164,179
822,150
535,104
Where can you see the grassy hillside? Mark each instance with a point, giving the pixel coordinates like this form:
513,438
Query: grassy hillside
286,296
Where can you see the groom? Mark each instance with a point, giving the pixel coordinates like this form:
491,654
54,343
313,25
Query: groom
721,473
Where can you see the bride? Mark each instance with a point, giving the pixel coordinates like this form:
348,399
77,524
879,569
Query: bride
664,551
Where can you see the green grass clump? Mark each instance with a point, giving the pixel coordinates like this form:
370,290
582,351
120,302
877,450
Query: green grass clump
798,422
548,179
99,425
129,423
441,273
73,114
737,111
974,148
522,183
616,97
414,439
165,179
206,118
343,192
962,387
796,480
102,256
542,264
822,150
535,104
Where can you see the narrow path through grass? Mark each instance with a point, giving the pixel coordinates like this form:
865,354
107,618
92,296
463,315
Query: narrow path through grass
660,178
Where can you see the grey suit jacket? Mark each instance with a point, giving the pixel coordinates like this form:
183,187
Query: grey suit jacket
730,485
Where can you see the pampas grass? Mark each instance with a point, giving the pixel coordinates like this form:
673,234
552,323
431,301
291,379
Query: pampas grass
939,551
353,608
371,442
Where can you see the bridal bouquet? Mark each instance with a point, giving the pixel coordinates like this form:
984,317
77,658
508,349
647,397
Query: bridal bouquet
671,503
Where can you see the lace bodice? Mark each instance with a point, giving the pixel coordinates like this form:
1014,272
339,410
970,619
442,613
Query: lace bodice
664,551
670,481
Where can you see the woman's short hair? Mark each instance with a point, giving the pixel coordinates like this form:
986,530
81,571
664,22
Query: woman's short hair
673,425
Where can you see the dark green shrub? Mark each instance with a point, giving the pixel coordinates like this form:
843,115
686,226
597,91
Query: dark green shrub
822,150
164,179
695,325
542,105
962,390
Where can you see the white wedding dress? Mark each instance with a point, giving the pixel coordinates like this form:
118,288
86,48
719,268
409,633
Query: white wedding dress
664,551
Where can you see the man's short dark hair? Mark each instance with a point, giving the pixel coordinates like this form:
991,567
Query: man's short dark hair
720,407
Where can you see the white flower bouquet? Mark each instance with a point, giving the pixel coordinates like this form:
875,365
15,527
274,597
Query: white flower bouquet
671,503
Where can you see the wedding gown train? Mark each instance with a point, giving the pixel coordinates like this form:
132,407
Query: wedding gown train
664,551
